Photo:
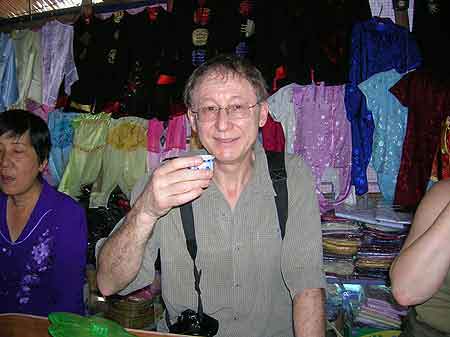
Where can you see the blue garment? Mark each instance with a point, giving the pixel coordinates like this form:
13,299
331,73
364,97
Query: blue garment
390,118
377,45
9,92
61,132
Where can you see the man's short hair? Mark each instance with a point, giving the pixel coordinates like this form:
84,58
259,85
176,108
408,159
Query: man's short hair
227,64
17,122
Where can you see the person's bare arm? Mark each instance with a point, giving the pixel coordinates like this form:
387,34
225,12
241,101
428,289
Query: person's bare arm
418,272
309,313
170,185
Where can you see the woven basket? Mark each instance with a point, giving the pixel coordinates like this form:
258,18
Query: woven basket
130,313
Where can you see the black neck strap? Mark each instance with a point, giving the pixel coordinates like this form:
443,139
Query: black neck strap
187,218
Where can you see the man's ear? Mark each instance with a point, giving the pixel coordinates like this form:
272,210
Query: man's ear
192,120
263,113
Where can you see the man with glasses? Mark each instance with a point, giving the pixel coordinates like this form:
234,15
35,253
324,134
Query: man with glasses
253,281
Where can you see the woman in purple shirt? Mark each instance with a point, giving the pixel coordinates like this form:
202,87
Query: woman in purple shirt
43,233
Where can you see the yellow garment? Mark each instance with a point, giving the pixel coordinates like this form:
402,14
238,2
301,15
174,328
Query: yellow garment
27,44
340,250
89,140
124,159
343,242
436,311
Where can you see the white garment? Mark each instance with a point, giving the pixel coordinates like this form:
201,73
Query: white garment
385,9
28,65
281,108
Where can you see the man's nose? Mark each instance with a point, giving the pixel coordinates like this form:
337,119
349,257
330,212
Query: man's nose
223,118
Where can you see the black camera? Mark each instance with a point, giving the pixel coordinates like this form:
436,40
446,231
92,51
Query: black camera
195,324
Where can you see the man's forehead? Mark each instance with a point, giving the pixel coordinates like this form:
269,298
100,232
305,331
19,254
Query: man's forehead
216,75
220,78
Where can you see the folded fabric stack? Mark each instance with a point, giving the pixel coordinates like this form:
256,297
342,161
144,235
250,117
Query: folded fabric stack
341,240
378,309
379,246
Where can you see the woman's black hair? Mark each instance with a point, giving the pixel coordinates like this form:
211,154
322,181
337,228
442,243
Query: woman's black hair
17,122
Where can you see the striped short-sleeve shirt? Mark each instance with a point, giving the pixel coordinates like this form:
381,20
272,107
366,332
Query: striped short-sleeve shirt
249,274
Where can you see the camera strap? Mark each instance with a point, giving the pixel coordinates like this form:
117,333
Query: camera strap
187,218
278,175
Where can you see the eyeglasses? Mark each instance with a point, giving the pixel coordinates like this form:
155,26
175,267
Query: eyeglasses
234,112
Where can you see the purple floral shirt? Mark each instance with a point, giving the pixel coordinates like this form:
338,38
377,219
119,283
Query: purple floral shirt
44,269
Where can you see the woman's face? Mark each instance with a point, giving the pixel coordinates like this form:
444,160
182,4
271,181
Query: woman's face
19,164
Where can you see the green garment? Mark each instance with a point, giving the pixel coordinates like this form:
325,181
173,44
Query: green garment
436,311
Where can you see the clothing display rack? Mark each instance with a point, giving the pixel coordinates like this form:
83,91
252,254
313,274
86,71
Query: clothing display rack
31,20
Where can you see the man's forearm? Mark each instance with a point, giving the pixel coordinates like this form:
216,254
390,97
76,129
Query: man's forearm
418,272
423,263
120,257
309,313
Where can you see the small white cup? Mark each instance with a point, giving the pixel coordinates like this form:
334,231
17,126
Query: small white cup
208,163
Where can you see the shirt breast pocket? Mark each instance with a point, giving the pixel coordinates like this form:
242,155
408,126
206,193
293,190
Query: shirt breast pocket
269,233
267,244
268,240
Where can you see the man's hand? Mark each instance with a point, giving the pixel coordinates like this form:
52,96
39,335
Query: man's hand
172,184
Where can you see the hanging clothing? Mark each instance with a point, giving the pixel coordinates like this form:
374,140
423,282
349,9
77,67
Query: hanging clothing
385,9
85,162
195,20
281,108
273,136
38,109
315,35
61,133
124,159
166,139
268,37
323,137
84,40
9,91
377,45
441,163
431,29
57,59
146,96
111,52
27,44
43,271
390,119
234,28
428,102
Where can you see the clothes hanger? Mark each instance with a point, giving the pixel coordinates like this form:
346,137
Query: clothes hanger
118,16
87,11
380,21
153,12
